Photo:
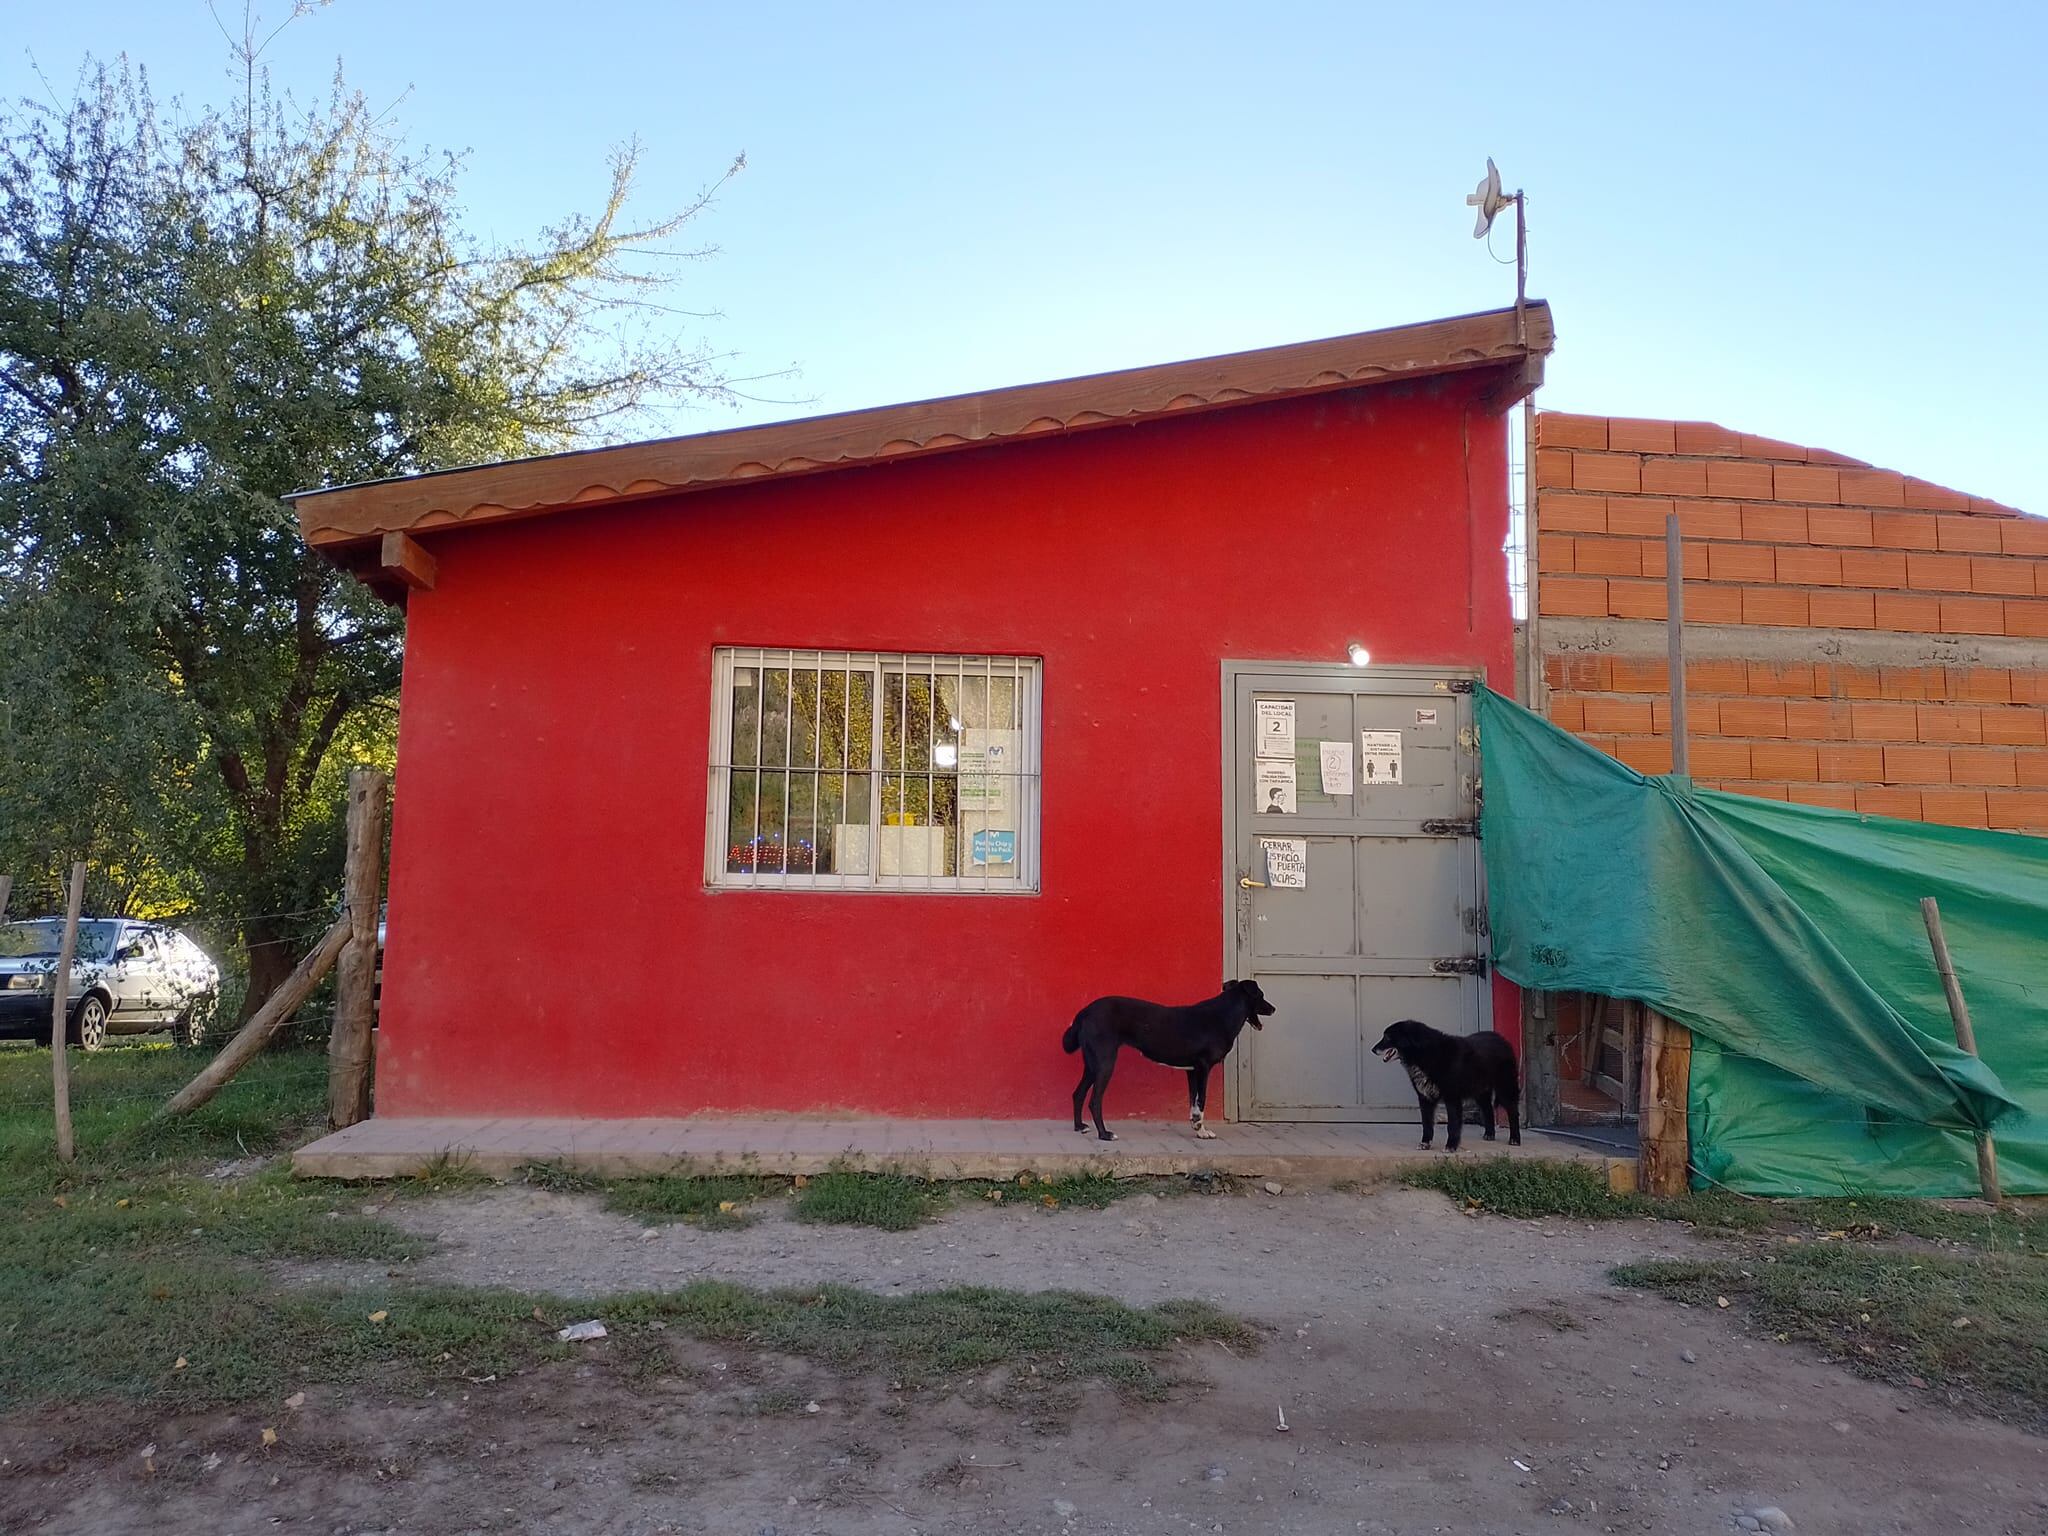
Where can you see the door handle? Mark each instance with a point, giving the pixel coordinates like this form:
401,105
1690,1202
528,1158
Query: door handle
1250,884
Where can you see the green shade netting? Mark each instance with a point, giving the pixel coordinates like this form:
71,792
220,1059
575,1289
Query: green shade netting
1789,939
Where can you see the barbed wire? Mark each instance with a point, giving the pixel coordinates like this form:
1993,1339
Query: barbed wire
85,1101
195,920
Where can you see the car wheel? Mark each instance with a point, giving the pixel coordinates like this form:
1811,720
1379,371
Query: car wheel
190,1029
91,1028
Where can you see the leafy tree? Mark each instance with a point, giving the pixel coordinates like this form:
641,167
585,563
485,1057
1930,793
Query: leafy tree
200,312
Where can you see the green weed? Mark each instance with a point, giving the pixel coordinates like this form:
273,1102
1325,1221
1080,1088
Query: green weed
1969,1323
134,1273
718,1201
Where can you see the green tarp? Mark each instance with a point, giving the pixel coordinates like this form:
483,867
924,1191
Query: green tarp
1788,938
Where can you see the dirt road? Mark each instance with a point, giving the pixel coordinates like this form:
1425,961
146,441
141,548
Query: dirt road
1438,1373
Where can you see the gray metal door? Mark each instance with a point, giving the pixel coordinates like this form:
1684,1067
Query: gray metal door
1389,920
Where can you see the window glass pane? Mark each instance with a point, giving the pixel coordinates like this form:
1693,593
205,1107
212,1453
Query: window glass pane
845,811
834,718
746,715
806,715
776,724
771,821
909,707
991,781
881,769
742,805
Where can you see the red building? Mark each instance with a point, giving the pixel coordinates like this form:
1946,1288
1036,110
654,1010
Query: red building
833,765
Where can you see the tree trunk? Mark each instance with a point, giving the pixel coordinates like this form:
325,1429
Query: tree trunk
271,948
253,1036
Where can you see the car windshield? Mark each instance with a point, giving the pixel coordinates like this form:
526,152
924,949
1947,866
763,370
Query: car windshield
41,939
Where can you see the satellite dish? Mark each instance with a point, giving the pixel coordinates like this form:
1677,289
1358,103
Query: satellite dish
1487,198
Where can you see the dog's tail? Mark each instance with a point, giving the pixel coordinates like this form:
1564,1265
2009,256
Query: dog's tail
1070,1042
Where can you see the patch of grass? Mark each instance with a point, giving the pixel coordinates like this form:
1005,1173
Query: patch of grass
1524,1187
173,1219
1968,1224
714,1202
444,1173
771,1403
1089,1190
927,1336
897,1201
1970,1323
115,1328
894,1202
134,1272
1553,1317
1960,1307
1533,1188
561,1179
276,1102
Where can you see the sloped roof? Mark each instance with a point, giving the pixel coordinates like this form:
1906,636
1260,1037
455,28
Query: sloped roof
348,521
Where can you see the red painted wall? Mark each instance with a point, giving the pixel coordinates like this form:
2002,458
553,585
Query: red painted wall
553,949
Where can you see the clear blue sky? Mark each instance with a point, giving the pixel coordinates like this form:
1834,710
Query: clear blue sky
1824,222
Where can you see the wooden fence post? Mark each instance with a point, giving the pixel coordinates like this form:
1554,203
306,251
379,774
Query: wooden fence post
60,984
355,976
1674,641
1661,1120
1966,1037
1539,1058
255,1034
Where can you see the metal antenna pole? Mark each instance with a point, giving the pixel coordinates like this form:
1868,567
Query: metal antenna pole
1521,274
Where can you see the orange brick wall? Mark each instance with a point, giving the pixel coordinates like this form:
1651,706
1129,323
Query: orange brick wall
1923,692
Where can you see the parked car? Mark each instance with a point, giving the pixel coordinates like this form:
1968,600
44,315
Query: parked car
127,978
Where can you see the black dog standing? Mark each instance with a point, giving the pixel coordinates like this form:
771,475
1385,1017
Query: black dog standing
1450,1069
1194,1038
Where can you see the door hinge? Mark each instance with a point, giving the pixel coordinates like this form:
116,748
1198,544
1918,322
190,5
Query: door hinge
1461,965
1453,685
1438,826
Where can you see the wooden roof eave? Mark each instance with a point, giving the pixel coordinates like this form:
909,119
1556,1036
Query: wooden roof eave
356,525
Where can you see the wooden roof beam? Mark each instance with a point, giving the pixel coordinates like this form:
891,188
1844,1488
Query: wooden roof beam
404,560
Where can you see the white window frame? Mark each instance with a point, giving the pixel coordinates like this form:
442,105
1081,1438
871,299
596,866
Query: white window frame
1028,673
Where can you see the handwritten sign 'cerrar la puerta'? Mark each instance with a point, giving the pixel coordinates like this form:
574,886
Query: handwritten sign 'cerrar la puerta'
1286,862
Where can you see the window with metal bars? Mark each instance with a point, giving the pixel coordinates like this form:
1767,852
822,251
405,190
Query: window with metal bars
847,770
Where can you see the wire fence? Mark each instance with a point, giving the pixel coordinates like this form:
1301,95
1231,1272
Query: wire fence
132,974
91,1094
199,1024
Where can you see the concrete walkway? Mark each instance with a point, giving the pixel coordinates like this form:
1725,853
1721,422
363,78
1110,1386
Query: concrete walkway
951,1149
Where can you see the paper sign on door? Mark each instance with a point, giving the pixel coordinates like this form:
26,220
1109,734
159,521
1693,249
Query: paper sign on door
1275,719
1336,767
1380,757
1275,788
1286,862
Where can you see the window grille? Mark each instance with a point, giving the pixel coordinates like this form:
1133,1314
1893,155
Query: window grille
850,770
